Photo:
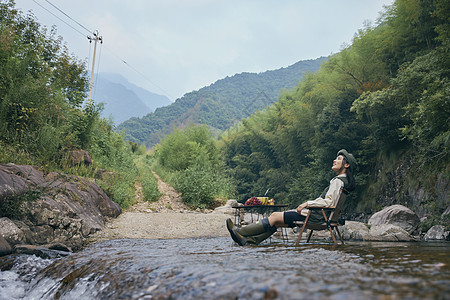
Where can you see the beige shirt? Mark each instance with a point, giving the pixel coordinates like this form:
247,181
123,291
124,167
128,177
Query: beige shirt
331,197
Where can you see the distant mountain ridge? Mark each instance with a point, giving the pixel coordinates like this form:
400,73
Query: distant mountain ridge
219,105
124,100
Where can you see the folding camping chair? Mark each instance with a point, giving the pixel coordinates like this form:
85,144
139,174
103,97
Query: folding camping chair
329,224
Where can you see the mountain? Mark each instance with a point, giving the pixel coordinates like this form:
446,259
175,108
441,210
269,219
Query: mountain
124,100
219,105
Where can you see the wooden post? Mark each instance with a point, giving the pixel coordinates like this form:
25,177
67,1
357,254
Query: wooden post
96,38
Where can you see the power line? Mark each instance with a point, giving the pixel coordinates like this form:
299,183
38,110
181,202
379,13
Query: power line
59,18
68,16
118,57
140,73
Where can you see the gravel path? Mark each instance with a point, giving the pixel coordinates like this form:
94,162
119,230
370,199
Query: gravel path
167,218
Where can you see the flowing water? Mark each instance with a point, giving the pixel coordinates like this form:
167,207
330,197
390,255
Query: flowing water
215,268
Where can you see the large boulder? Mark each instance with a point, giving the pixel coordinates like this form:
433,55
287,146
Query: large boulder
381,233
397,215
77,157
389,233
5,248
355,231
437,232
227,208
54,208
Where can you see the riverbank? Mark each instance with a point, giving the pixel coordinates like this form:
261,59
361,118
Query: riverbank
167,225
167,218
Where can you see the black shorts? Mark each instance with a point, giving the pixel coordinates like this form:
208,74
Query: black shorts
290,216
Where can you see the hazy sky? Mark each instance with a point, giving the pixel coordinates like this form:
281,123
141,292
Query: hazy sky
172,47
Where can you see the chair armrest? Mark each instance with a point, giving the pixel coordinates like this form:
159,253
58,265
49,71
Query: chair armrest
324,208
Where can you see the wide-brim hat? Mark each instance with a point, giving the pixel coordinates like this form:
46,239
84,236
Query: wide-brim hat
348,157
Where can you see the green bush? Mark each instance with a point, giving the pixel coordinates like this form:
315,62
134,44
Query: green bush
197,187
190,161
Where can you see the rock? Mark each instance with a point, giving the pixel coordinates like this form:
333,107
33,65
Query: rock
60,208
446,212
5,248
437,232
388,233
77,157
355,231
227,208
43,251
398,215
10,232
15,180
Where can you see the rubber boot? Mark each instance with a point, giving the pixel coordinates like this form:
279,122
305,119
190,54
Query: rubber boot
254,233
254,228
257,239
239,239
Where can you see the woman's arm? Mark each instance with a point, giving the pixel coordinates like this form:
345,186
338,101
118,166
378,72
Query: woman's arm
331,197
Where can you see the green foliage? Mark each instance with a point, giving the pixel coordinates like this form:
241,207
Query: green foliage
196,186
42,117
385,93
12,207
181,149
190,161
109,150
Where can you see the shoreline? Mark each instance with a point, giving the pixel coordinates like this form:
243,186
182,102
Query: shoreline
163,225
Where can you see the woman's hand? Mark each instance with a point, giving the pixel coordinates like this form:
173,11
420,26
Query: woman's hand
301,206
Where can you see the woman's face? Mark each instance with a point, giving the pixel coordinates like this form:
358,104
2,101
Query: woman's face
337,165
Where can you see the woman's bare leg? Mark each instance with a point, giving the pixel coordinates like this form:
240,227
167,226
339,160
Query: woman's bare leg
277,219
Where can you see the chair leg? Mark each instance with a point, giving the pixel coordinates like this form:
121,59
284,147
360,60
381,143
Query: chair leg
332,235
340,237
303,228
300,234
309,236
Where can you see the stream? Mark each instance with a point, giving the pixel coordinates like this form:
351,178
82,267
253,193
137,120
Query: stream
215,268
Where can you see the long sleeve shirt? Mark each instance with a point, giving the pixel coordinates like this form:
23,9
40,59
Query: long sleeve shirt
331,197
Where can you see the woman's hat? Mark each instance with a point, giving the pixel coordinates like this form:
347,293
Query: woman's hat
348,157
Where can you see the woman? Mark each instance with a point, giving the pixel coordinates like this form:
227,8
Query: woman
257,232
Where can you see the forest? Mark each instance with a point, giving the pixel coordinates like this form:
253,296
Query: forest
385,98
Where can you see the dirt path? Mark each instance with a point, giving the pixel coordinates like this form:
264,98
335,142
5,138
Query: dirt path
167,218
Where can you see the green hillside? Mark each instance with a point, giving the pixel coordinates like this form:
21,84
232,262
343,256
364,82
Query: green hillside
220,105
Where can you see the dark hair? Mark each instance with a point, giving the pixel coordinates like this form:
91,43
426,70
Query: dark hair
351,180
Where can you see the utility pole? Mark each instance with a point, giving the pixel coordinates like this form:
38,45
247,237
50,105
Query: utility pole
96,38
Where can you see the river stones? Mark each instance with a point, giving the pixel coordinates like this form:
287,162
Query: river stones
437,232
382,233
227,208
389,233
355,231
44,251
397,215
11,232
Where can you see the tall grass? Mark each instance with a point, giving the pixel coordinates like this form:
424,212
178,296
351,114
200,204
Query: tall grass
146,177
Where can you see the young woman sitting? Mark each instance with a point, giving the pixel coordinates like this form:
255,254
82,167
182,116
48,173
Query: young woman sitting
257,232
